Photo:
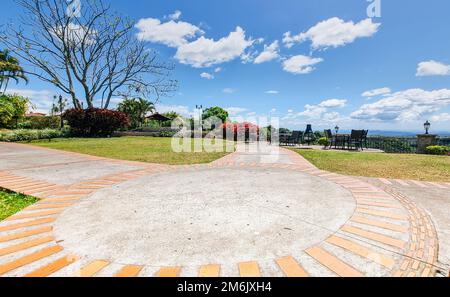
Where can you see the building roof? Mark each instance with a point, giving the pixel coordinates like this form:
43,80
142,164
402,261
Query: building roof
158,117
35,114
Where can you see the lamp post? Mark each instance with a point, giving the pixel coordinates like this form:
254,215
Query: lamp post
427,126
425,140
336,129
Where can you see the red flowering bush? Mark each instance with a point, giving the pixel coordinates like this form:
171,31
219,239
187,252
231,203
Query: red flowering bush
246,129
95,122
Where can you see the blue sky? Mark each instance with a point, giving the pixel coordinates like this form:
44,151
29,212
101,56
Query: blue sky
317,74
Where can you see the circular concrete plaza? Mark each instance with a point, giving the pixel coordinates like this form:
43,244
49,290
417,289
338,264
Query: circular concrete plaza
222,215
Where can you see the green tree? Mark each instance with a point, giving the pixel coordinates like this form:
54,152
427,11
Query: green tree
171,115
12,108
10,69
136,109
216,111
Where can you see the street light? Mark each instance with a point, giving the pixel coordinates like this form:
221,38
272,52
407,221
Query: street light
427,126
336,129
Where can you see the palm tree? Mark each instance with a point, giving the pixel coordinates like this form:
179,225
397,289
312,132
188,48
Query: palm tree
136,109
10,69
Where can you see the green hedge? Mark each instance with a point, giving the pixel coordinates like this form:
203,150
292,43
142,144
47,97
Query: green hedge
39,123
30,135
438,150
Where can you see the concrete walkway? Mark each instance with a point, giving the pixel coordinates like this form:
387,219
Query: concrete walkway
258,212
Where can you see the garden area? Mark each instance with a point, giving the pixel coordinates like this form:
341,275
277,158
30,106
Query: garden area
142,149
380,165
82,117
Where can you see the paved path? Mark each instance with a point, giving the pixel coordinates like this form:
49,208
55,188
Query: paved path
264,212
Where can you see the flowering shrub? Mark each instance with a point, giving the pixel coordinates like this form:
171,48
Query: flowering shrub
95,122
248,129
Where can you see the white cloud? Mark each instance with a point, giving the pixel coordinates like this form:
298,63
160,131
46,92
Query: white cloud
217,70
405,106
333,32
272,92
320,111
376,92
229,91
235,110
333,103
205,52
259,40
271,52
41,100
300,64
249,56
76,34
180,109
206,75
312,112
431,68
443,117
175,16
332,116
172,33
289,40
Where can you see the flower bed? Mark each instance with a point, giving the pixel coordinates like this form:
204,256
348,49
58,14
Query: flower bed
241,131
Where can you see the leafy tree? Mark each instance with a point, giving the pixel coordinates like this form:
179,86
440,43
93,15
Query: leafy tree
12,108
172,115
10,69
284,131
136,109
92,54
218,112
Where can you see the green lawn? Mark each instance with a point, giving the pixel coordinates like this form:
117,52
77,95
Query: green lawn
397,166
144,149
11,203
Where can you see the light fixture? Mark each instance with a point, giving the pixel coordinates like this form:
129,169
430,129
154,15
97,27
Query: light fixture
427,126
336,129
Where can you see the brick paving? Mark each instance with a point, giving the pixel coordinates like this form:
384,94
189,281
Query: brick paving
388,234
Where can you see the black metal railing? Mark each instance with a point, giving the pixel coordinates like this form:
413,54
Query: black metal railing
444,141
400,145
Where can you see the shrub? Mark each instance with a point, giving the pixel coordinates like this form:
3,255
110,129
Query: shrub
438,150
95,122
39,123
12,108
30,135
323,141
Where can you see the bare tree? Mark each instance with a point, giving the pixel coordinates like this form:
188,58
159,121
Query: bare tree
90,52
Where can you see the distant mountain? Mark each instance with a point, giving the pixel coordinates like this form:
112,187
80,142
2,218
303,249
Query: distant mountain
391,133
402,133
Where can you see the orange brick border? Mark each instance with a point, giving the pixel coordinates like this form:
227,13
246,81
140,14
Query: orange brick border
420,252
